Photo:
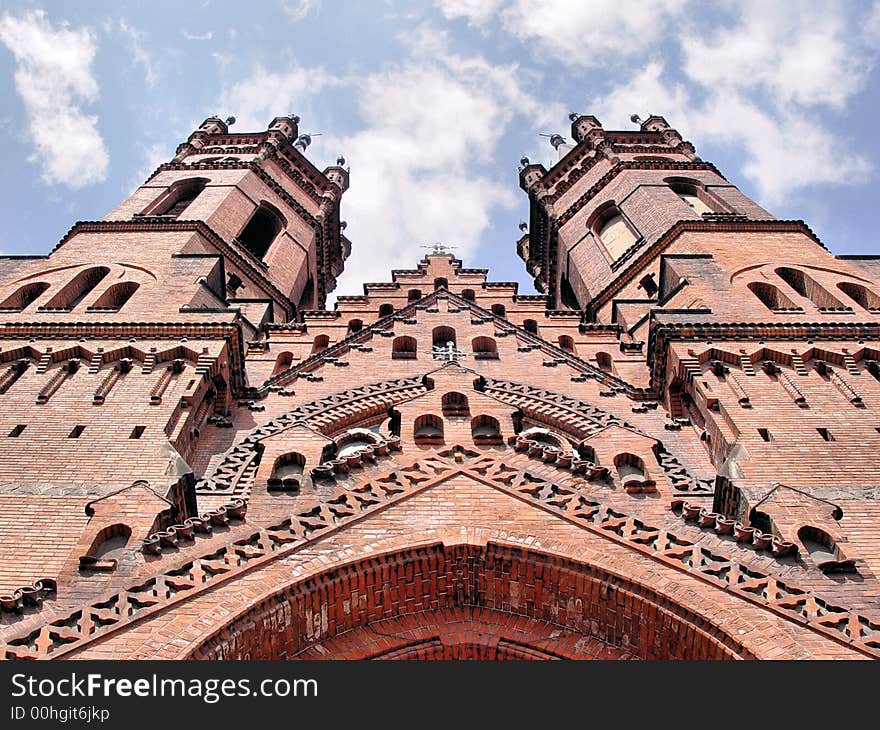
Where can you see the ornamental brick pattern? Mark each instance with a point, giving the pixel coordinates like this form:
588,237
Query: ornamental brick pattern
669,453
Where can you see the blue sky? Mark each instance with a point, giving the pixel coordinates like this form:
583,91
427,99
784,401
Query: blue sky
433,104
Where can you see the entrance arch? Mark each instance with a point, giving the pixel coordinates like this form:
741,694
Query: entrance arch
467,601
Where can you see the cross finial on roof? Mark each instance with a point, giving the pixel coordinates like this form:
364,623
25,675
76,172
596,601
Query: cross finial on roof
439,248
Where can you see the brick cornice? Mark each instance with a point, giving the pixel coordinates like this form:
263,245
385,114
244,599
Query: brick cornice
663,334
229,331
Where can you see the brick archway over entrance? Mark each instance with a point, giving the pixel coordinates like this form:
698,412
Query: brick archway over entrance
468,602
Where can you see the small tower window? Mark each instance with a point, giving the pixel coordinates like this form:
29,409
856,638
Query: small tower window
603,360
414,295
261,230
354,326
615,233
442,336
772,298
863,296
468,294
649,286
386,310
566,343
498,310
808,287
486,431
177,198
531,326
441,283
428,429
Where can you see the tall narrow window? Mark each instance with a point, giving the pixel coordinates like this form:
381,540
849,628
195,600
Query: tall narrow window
808,287
177,198
77,288
772,298
615,233
261,230
116,296
863,296
566,343
24,296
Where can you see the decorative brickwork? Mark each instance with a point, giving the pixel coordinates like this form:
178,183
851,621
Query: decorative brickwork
669,453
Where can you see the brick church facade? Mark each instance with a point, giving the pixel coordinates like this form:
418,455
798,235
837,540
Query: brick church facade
669,453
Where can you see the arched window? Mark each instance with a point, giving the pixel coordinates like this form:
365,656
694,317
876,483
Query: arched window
403,348
692,193
547,439
116,296
282,362
632,473
455,405
24,296
441,282
288,465
261,230
808,287
613,230
603,360
386,310
441,337
320,343
566,343
428,429
414,295
484,348
107,548
355,440
77,288
355,325
863,296
499,310
530,325
772,298
177,198
468,294
485,430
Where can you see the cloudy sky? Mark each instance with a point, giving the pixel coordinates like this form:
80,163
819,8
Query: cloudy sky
434,103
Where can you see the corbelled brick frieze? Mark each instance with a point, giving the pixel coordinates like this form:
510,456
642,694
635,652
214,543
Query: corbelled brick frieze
666,454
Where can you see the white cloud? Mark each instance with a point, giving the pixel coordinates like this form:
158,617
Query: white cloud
153,155
53,76
264,95
206,36
139,54
476,11
811,56
431,124
784,148
577,32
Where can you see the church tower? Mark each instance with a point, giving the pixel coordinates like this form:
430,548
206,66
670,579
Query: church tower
669,453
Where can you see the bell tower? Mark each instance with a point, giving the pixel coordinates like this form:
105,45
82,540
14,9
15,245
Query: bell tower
255,201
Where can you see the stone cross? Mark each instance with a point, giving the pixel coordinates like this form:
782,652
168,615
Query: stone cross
448,352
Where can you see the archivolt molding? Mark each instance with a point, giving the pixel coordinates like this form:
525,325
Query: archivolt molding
316,517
